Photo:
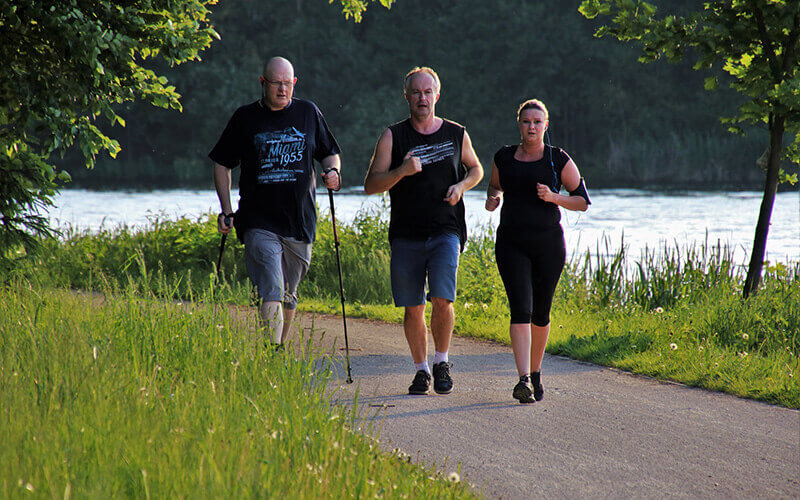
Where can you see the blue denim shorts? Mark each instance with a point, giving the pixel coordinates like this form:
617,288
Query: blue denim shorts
435,258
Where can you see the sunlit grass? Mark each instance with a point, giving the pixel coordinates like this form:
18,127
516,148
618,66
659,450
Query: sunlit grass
610,308
126,396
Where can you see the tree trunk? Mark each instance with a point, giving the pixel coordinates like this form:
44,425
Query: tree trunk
776,128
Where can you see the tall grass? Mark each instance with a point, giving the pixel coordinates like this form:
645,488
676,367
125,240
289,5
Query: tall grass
178,259
610,307
656,278
124,396
172,258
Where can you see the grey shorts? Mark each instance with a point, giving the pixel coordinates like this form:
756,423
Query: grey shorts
276,265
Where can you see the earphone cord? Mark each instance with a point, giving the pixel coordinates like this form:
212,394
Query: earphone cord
555,177
552,166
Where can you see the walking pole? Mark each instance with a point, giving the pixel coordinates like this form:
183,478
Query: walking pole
222,248
339,265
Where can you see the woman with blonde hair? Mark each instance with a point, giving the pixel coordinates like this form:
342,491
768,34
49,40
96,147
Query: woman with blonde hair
530,248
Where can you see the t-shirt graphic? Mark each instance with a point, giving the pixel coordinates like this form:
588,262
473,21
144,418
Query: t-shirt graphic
431,153
280,155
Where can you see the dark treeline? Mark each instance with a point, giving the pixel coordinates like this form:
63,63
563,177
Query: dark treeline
626,124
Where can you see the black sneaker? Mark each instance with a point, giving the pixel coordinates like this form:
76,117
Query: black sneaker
523,392
421,383
442,383
536,382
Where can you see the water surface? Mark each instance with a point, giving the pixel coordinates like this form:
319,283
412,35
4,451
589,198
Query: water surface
643,218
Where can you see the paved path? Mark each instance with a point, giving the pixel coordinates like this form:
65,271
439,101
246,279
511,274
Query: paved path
598,432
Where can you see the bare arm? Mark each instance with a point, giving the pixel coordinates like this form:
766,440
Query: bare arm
474,172
332,179
222,182
571,178
379,177
494,192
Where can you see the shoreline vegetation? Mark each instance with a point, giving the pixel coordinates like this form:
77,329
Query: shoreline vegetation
126,391
671,313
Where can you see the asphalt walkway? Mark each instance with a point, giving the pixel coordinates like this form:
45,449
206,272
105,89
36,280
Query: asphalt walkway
598,433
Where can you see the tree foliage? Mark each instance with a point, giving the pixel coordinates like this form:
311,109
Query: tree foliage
355,9
601,102
70,67
65,65
757,43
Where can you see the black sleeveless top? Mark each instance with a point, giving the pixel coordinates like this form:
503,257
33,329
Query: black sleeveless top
523,211
418,207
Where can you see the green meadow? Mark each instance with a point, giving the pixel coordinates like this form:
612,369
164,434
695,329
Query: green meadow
123,371
672,313
118,393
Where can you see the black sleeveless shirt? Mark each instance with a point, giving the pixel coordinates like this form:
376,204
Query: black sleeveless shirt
523,211
418,207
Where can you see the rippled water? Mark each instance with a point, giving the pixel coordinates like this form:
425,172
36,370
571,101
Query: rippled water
644,218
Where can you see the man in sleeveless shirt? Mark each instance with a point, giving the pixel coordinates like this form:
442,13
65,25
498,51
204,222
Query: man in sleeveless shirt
426,163
275,140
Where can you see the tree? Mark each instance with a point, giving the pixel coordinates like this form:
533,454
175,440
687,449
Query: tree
351,71
757,42
356,8
67,66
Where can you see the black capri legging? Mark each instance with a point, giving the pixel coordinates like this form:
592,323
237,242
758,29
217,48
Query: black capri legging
530,270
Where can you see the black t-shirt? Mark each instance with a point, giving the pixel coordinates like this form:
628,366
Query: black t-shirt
523,211
418,207
276,150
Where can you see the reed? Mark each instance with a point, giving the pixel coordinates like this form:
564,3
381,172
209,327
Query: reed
657,278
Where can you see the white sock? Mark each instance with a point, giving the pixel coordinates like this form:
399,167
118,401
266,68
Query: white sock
422,366
272,317
439,357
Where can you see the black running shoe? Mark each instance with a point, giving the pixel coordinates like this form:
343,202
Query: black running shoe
421,383
523,392
442,383
536,382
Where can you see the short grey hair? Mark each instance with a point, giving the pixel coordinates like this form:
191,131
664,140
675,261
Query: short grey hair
423,69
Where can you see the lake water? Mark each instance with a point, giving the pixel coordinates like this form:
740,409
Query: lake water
643,218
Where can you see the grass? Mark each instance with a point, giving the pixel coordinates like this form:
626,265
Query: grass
108,395
673,312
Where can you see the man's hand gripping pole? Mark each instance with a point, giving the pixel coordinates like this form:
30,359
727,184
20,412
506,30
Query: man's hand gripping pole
227,223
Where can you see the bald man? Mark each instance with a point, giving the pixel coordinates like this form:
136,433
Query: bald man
275,141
